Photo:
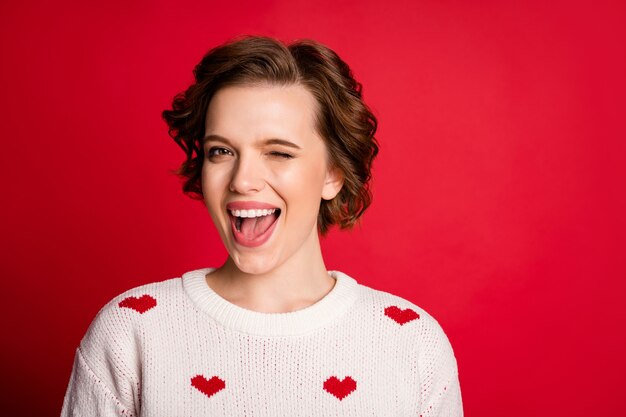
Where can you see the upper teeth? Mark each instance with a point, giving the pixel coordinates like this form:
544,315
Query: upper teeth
252,213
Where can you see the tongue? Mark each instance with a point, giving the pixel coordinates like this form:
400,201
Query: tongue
256,226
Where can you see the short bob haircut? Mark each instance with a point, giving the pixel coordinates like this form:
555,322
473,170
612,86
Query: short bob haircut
342,119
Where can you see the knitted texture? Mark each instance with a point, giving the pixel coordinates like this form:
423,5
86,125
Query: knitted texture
176,348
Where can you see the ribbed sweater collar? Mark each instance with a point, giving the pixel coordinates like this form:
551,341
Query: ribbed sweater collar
318,315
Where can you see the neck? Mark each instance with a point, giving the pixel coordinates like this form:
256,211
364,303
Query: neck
297,283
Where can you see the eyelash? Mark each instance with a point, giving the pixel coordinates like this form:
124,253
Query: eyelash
281,154
211,153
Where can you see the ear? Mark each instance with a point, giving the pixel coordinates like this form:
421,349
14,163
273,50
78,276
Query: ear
332,183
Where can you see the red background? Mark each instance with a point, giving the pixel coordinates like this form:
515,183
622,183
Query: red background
497,191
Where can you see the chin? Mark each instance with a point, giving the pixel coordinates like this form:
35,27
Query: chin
253,265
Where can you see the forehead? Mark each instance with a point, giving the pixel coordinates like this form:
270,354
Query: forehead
252,111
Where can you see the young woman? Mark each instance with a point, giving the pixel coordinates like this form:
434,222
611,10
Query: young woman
279,145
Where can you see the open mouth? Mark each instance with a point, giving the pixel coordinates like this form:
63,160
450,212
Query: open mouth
253,226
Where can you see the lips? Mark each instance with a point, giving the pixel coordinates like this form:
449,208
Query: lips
252,223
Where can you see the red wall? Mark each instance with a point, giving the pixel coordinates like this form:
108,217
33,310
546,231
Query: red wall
499,190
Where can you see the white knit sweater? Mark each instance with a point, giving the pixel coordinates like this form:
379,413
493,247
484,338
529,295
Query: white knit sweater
176,348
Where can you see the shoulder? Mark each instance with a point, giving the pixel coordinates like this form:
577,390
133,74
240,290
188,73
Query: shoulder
414,347
115,331
427,345
398,309
141,301
407,319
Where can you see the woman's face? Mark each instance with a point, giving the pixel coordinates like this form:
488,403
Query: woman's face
264,174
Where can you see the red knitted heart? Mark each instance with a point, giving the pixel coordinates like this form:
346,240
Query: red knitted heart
208,387
401,316
141,304
340,389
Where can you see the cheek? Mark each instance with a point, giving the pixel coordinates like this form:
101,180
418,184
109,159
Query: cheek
301,184
212,186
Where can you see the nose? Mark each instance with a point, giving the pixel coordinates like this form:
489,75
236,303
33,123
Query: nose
247,176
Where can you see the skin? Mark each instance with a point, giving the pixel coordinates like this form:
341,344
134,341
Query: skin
287,272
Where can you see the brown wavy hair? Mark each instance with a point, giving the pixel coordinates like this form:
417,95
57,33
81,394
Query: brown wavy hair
342,119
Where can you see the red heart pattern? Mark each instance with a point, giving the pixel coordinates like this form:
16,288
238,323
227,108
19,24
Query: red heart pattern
208,386
139,304
340,389
401,316
333,385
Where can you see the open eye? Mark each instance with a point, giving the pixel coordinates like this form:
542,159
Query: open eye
216,151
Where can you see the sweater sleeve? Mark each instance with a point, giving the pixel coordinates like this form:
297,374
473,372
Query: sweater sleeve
440,392
104,378
88,395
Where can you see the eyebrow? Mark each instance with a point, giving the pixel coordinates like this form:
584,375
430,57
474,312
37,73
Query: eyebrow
270,141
